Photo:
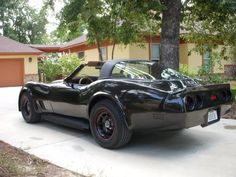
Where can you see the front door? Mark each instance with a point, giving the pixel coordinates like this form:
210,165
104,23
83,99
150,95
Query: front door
66,101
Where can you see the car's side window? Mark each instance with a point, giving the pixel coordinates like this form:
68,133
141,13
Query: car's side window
119,72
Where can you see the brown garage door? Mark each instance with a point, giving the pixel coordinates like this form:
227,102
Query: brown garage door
11,72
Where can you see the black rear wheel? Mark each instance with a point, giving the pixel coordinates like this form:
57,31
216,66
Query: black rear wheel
28,112
108,126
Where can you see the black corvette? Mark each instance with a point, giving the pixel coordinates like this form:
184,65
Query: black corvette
114,98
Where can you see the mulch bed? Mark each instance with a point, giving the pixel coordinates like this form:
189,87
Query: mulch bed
232,113
17,163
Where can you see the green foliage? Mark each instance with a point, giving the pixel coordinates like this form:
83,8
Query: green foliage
202,73
59,68
113,20
22,22
233,90
208,76
68,63
51,69
233,53
213,78
183,68
211,22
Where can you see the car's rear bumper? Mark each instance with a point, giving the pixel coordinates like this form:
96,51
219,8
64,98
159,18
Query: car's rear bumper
164,121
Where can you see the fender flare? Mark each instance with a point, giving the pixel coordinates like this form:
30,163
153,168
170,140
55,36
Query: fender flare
24,90
103,95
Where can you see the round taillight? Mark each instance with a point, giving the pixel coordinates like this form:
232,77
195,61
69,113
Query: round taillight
229,94
189,103
199,102
226,95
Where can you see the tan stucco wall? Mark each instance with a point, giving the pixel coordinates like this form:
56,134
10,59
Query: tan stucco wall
29,67
121,52
183,54
133,52
91,55
194,59
219,68
138,52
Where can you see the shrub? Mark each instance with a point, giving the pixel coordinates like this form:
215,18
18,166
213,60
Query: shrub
58,68
233,90
183,68
51,69
213,78
68,63
202,73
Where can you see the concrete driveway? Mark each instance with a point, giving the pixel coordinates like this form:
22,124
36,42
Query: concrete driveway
196,152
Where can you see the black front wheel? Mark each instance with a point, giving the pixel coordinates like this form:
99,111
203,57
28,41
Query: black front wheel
28,112
108,126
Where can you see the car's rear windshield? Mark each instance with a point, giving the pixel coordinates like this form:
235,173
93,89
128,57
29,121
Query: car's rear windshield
144,70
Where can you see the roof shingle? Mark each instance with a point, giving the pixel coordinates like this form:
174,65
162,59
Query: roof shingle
9,46
76,41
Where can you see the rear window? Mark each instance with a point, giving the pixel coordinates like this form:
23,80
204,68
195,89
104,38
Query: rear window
133,70
144,70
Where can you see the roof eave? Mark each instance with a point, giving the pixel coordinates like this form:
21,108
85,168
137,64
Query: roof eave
21,53
71,46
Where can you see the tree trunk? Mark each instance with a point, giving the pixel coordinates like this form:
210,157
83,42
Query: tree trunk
170,30
99,49
113,50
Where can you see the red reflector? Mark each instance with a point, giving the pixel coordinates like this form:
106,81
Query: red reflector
213,97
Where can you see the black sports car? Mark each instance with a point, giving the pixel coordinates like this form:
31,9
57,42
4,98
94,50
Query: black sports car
114,98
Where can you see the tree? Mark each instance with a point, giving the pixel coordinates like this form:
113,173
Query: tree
210,24
204,22
170,29
21,22
112,20
213,21
129,20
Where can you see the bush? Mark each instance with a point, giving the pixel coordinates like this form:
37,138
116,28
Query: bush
185,70
51,69
233,90
213,78
58,68
68,63
210,77
203,74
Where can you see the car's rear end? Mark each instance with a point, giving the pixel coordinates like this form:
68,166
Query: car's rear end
183,108
202,105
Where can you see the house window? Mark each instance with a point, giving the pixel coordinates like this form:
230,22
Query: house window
206,60
155,54
81,55
104,53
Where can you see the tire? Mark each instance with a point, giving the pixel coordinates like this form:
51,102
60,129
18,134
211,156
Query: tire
28,112
108,126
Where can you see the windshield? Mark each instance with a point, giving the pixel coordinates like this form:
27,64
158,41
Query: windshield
91,71
144,70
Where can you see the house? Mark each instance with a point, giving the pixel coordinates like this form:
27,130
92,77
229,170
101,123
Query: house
148,50
18,63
